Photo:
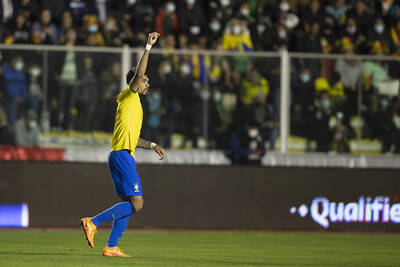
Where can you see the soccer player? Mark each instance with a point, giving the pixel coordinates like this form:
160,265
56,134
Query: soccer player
121,162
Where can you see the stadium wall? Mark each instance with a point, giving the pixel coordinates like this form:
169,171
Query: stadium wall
218,197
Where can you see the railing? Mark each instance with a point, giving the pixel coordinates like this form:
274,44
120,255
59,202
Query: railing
207,95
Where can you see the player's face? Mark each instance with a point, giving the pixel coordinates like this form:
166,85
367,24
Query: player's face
144,86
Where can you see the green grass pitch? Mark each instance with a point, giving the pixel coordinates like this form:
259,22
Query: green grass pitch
202,248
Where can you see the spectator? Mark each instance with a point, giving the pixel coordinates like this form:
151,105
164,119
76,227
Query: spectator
45,29
362,15
66,24
338,10
237,36
379,33
109,89
87,95
35,88
68,75
247,146
92,32
388,9
302,109
156,111
6,131
352,36
20,30
27,130
192,19
314,13
167,19
254,86
214,33
16,87
322,132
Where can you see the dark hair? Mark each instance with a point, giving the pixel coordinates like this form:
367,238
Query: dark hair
130,74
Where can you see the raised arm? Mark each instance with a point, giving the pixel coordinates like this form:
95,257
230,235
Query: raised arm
150,145
142,64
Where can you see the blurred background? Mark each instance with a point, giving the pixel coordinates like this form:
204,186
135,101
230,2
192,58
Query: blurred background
290,83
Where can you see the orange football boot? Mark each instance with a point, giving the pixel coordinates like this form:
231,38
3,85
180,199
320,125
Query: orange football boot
89,229
114,252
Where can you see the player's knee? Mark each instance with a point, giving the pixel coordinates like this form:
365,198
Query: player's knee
138,204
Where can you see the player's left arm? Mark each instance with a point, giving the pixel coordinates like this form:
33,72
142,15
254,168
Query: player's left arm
150,145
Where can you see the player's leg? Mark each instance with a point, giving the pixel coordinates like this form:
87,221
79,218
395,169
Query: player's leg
120,224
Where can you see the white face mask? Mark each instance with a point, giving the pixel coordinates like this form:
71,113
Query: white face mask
245,11
282,34
253,133
132,2
32,124
305,77
325,103
225,3
185,69
284,7
35,72
195,30
93,28
19,65
351,30
204,95
217,96
215,26
171,7
236,29
260,28
167,69
379,28
190,2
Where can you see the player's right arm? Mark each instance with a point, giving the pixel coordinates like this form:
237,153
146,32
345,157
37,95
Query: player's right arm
142,64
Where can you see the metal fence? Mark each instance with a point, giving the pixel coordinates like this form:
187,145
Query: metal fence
198,97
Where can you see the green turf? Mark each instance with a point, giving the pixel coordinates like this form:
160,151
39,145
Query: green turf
67,248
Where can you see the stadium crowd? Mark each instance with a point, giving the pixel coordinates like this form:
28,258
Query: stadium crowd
239,95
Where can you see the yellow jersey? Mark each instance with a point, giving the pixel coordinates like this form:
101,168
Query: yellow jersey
128,121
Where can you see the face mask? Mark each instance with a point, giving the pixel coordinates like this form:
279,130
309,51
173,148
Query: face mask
351,30
32,124
305,77
171,7
93,28
253,133
284,7
215,26
132,2
282,34
185,69
260,28
156,97
110,26
195,30
379,28
236,29
384,102
204,95
19,65
190,2
217,96
245,11
325,103
167,69
35,72
225,3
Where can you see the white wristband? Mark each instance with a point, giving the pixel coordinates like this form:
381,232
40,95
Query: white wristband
148,47
152,145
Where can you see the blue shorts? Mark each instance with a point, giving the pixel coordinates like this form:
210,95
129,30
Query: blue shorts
123,171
